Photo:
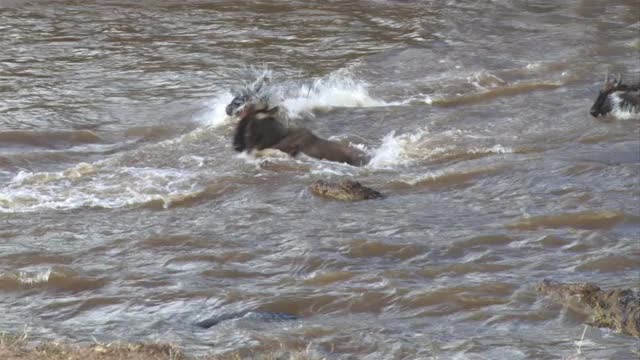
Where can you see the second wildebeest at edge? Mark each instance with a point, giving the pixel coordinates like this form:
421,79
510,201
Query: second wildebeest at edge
262,127
619,99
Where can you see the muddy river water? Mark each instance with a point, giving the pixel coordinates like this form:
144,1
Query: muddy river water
126,215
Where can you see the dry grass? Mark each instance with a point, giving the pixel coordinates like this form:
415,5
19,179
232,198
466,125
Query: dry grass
18,347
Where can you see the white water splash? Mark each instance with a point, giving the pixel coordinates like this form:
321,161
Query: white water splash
420,98
37,278
301,99
29,277
496,149
215,114
331,170
483,80
432,175
324,94
395,150
404,149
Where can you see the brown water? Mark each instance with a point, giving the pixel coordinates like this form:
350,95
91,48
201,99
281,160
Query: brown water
126,215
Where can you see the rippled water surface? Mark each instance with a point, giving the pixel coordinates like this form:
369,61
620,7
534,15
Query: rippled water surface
126,215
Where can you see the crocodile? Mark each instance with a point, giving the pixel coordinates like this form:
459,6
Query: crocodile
617,309
345,190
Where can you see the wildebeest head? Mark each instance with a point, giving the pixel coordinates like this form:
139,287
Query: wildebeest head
603,105
250,94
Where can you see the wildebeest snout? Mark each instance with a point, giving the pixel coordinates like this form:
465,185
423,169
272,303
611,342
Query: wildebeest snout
236,104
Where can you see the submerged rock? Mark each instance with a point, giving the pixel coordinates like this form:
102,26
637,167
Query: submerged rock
345,190
264,316
617,309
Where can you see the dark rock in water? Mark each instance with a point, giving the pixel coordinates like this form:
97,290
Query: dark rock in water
617,309
264,316
345,190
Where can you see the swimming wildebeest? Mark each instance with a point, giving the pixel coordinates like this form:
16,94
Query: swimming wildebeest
617,98
265,126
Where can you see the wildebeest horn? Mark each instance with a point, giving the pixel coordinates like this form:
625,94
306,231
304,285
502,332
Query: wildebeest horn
607,79
258,85
619,79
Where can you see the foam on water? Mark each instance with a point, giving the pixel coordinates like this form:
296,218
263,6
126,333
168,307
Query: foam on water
484,80
496,149
96,185
26,178
419,98
37,277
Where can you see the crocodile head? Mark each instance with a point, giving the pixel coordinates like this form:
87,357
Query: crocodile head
345,190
